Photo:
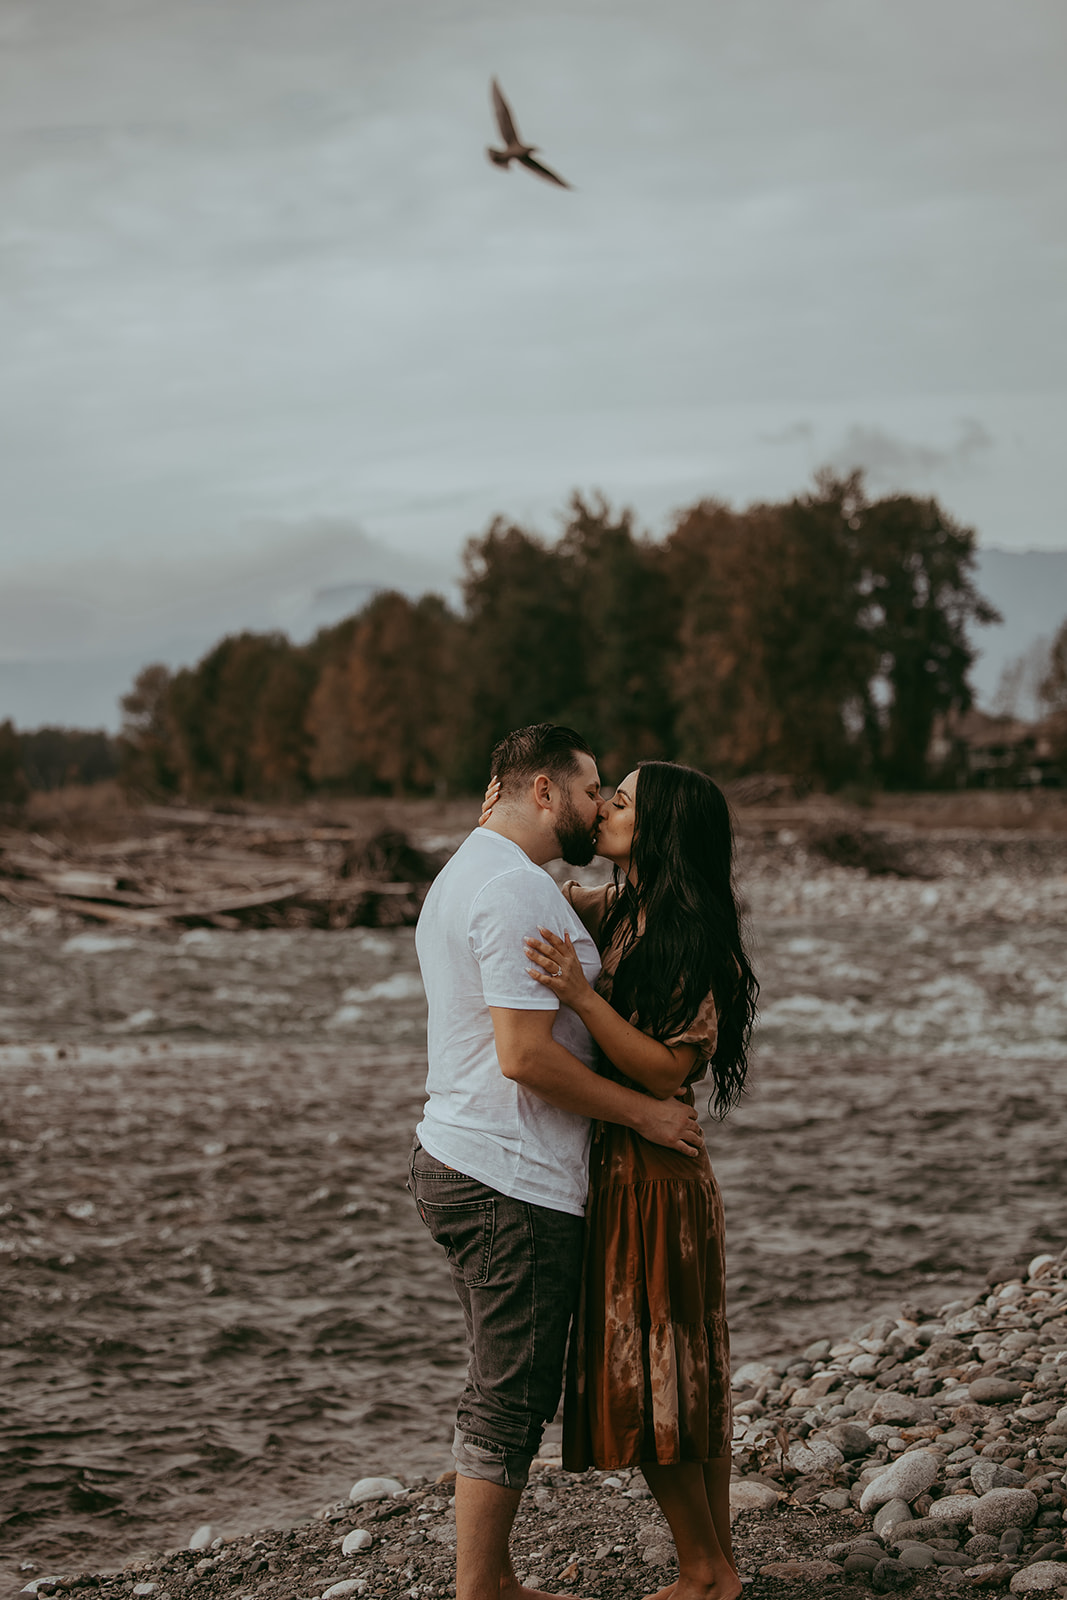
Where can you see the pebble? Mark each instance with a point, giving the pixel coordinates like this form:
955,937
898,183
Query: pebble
850,1439
375,1489
345,1586
755,1375
889,1575
202,1537
956,1509
915,1556
988,1574
893,1514
815,1455
750,1494
145,1588
994,1391
905,1480
860,1561
1005,1508
358,1539
791,1571
891,1406
1043,1577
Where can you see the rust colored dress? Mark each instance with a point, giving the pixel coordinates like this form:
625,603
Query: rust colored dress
648,1374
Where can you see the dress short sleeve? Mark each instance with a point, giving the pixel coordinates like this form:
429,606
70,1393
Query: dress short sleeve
591,904
703,1032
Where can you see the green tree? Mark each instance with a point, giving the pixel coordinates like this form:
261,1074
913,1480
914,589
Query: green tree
1052,690
915,580
522,660
13,785
621,599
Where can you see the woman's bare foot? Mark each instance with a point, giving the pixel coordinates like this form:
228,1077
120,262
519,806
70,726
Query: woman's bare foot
519,1591
726,1587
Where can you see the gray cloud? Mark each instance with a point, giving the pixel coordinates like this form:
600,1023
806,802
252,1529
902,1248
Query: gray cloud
793,433
889,459
295,578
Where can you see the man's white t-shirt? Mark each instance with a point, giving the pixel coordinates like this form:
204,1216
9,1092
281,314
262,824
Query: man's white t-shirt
483,903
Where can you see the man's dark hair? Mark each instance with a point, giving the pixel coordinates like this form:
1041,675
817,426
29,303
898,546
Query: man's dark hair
542,747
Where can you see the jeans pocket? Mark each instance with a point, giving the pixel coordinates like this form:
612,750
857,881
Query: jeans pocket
465,1231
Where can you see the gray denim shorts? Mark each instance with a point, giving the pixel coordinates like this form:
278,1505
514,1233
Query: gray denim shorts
516,1270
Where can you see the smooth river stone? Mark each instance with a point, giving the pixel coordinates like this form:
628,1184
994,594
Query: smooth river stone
850,1439
815,1455
994,1391
751,1495
905,1479
894,1514
901,1408
1005,1508
358,1539
375,1489
754,1375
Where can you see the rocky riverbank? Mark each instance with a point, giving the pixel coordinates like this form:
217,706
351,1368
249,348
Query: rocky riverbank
924,1454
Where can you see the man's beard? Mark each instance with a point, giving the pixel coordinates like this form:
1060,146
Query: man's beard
576,840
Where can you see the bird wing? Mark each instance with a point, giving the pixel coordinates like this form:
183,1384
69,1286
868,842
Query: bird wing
542,172
504,120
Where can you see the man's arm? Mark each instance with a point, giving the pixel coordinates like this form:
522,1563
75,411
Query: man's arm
528,1054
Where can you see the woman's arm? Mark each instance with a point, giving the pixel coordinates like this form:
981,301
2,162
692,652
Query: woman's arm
661,1069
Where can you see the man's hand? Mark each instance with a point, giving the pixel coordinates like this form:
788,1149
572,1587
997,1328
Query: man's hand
673,1124
528,1054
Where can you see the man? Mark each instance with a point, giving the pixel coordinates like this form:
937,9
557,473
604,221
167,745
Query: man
499,1168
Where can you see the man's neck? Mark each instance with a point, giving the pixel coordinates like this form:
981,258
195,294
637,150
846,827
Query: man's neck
539,846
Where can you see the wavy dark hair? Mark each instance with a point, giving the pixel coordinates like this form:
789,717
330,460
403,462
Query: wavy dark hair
690,942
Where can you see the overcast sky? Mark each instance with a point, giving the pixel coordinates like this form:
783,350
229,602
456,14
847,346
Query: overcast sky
272,324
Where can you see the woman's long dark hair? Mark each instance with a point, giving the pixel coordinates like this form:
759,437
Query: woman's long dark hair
690,939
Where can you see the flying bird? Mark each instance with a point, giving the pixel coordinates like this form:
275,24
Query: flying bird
515,149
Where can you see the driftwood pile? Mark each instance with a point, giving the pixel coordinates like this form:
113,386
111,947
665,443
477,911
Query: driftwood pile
218,870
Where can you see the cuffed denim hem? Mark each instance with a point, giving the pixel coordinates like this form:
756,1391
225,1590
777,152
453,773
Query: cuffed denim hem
477,1458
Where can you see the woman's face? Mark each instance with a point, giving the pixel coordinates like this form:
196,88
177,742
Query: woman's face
615,837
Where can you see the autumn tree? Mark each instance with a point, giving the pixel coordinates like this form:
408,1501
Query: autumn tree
238,718
148,748
383,713
771,659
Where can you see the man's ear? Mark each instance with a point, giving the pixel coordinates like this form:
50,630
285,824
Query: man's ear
542,791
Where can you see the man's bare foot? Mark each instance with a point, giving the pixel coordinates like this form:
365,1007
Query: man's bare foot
662,1594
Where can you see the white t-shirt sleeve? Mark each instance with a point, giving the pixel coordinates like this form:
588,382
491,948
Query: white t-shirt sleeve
508,910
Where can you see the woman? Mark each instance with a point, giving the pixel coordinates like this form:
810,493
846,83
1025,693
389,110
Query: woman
648,1380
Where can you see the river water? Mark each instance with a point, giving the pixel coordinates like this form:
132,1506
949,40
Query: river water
218,1302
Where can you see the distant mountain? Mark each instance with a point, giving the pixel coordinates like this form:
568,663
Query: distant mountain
1029,589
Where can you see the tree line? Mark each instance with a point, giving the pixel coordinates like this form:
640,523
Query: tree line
819,636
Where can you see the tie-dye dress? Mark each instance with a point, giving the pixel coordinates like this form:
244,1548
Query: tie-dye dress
648,1376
